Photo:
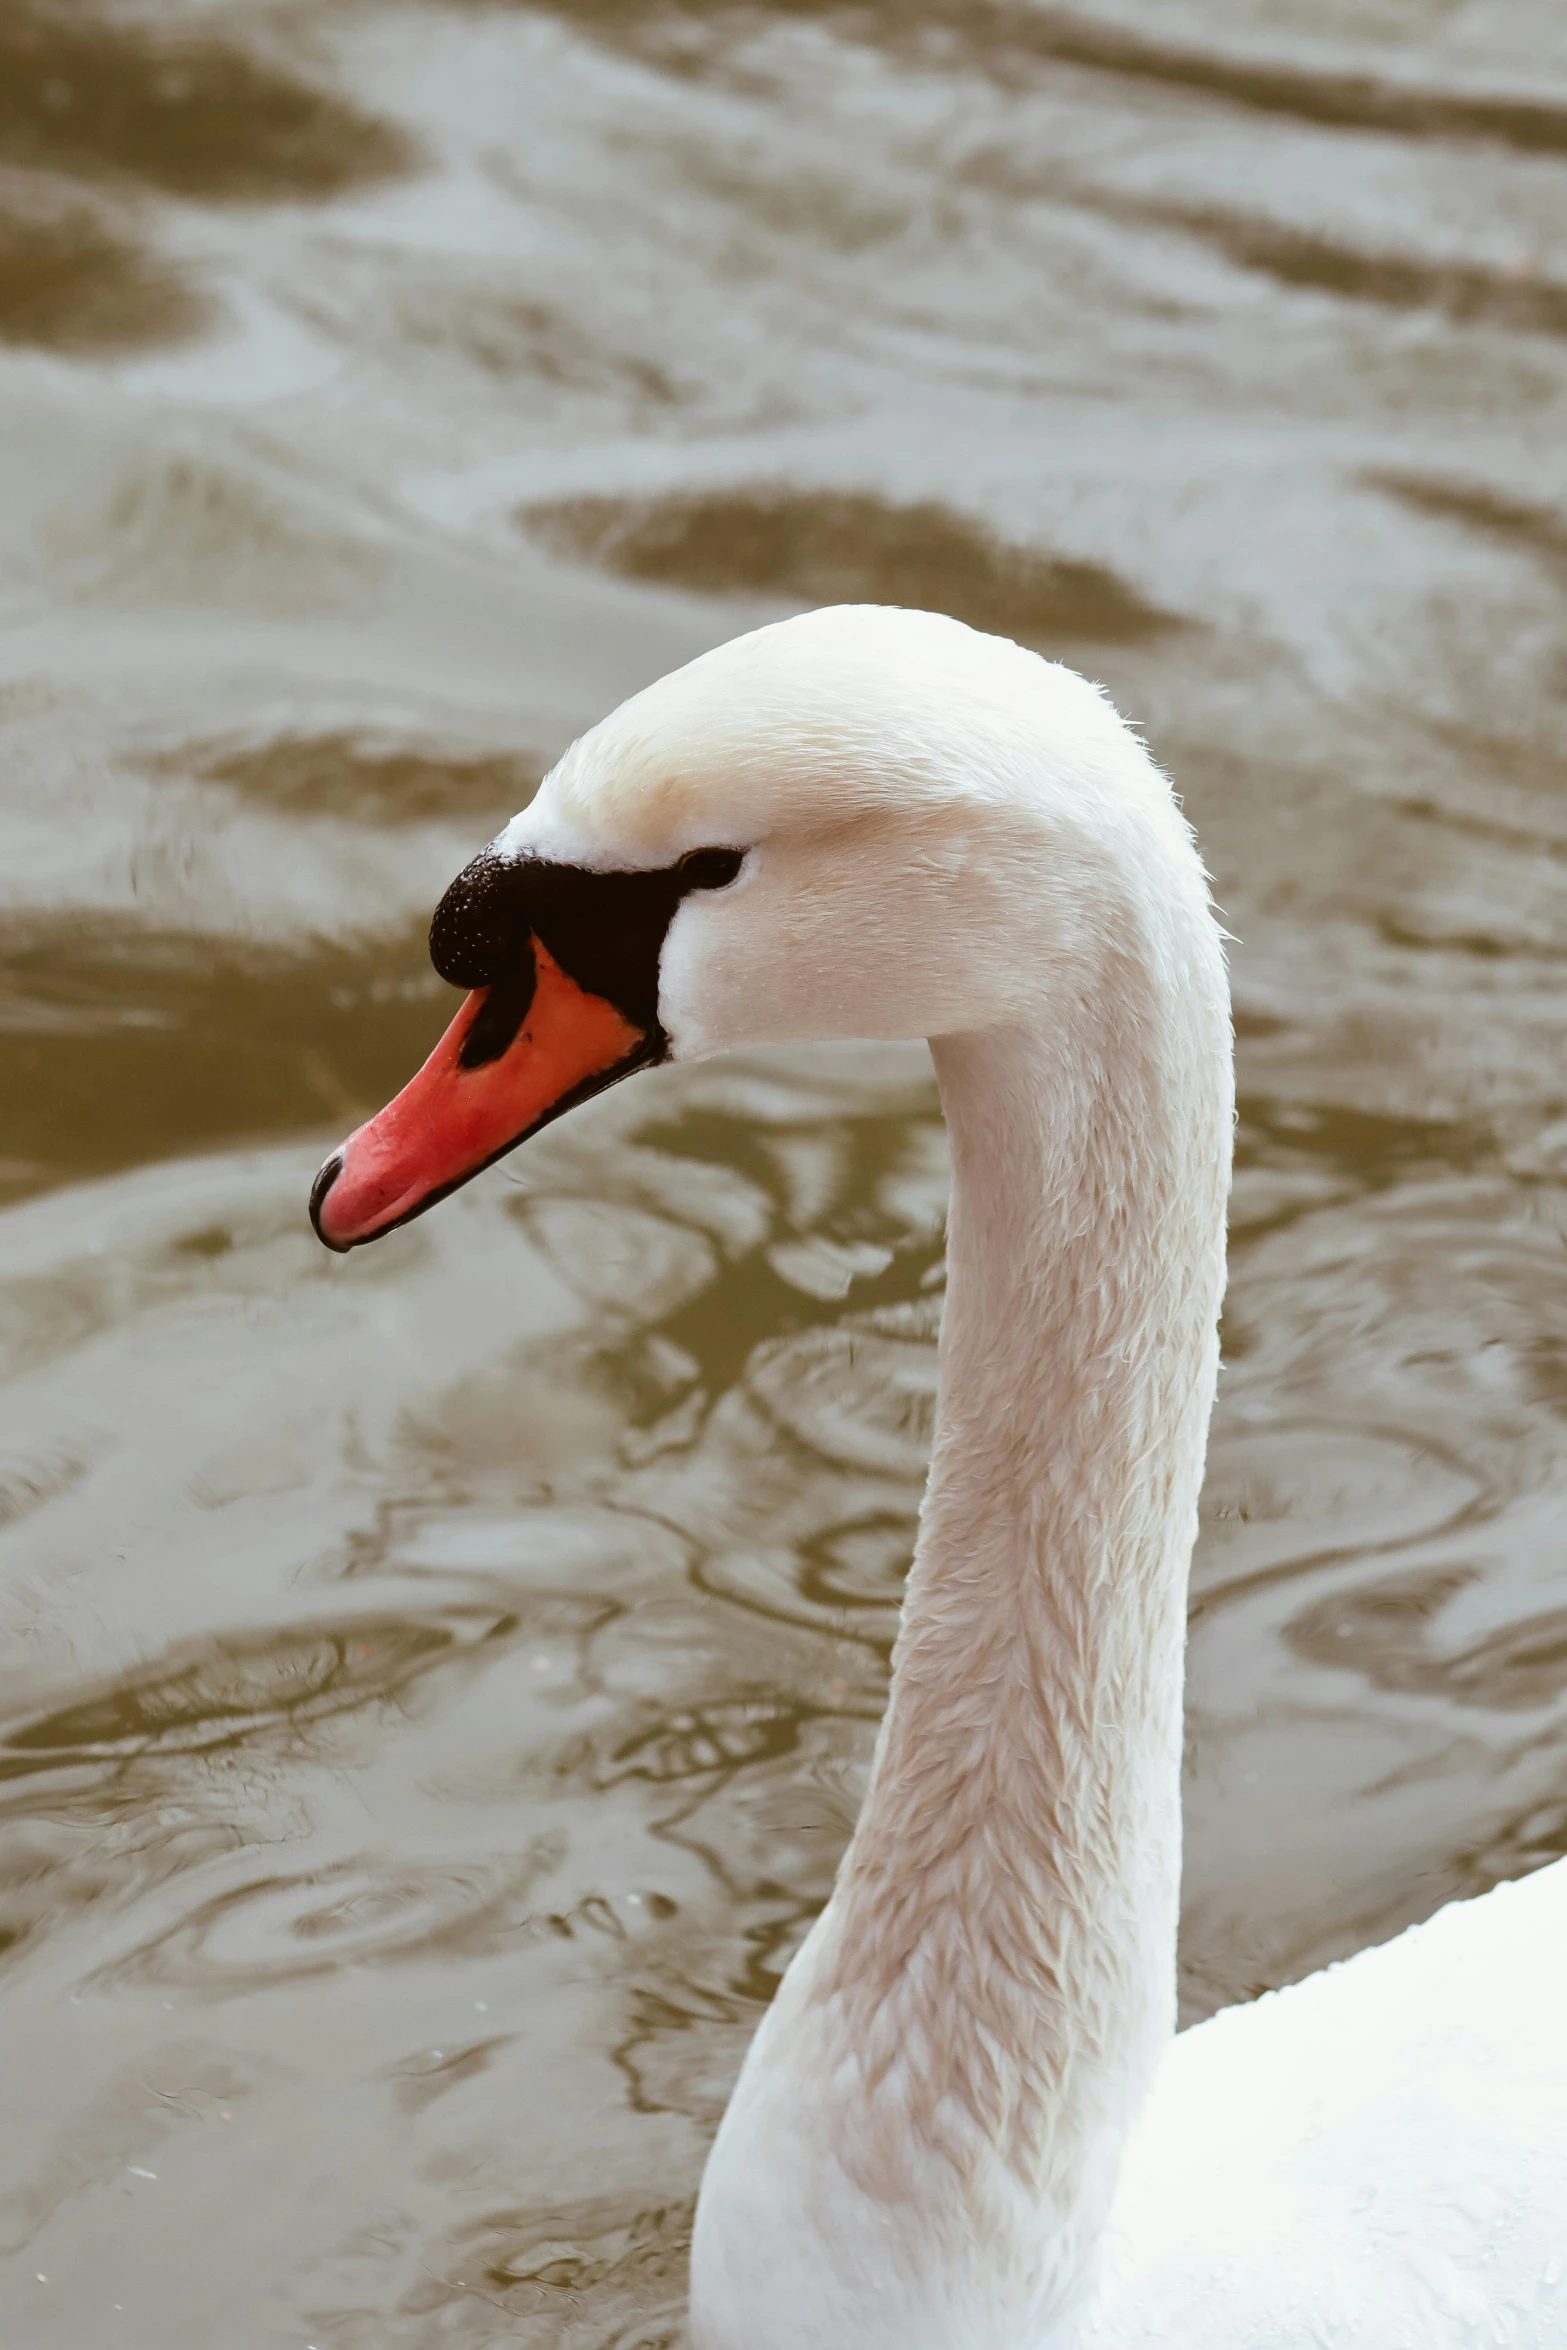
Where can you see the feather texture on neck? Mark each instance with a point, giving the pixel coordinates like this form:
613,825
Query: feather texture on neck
926,2136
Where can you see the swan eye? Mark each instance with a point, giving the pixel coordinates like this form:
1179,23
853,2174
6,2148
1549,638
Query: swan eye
710,868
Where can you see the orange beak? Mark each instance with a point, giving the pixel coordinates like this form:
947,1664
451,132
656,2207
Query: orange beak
450,1120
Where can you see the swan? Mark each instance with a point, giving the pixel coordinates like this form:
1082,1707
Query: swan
966,2122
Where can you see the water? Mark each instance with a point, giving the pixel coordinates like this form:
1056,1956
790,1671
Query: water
436,1685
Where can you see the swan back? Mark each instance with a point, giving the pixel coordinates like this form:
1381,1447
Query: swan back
1375,2156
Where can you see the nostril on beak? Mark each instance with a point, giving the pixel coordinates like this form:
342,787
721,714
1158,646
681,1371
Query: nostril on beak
318,1191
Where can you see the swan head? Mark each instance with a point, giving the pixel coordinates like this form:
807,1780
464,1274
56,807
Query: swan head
862,822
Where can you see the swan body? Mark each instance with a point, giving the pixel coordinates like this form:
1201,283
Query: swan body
1374,2157
965,2123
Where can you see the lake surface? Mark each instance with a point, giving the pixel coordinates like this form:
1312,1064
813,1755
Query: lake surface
435,1685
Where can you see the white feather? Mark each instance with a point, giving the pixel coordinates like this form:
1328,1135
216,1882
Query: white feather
965,2123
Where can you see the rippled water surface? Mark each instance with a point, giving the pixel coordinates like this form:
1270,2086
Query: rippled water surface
435,1685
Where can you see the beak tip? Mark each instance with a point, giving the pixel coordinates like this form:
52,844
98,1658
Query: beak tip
323,1183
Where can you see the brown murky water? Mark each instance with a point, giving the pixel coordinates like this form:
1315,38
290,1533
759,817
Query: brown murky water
434,1685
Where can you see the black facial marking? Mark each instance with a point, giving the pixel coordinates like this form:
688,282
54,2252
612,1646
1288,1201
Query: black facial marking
605,930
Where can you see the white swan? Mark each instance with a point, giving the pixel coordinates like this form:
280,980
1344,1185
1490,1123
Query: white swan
965,2123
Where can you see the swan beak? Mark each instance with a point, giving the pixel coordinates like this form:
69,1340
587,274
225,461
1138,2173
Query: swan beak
453,1119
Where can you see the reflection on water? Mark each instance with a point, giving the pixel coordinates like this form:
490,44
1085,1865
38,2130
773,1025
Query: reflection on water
196,111
436,1685
70,281
826,547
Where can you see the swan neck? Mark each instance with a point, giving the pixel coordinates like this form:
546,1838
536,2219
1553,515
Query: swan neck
1006,1915
924,2143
